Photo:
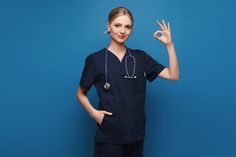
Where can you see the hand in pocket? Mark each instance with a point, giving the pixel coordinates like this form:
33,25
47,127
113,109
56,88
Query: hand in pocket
99,115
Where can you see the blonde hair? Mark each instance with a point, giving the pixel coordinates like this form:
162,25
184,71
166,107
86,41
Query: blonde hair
118,12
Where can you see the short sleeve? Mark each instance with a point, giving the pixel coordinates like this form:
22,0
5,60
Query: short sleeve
88,74
152,67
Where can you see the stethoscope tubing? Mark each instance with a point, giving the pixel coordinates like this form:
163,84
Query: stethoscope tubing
127,76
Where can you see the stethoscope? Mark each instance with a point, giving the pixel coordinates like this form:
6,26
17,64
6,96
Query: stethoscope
107,85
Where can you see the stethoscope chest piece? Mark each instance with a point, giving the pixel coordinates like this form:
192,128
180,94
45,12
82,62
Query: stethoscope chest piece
107,86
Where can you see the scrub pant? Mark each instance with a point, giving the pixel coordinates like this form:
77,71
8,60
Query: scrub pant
119,150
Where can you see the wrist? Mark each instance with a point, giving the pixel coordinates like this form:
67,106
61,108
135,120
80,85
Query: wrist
170,44
92,113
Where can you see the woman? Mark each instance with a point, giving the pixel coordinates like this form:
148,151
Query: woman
119,75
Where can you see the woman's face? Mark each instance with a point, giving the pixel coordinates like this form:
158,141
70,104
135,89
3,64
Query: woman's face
120,28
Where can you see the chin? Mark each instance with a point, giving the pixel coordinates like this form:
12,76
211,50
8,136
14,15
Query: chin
121,41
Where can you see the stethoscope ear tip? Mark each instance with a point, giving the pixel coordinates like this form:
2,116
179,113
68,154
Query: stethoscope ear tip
130,77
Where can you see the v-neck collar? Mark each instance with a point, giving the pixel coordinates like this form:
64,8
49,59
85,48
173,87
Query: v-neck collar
120,61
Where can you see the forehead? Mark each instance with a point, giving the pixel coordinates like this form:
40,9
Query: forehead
123,19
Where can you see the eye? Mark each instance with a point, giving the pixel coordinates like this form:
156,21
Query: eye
129,27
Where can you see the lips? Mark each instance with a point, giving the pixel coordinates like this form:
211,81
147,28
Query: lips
121,37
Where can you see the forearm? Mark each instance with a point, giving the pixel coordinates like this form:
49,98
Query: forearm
84,101
173,62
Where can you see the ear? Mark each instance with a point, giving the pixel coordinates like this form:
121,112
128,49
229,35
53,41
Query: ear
108,27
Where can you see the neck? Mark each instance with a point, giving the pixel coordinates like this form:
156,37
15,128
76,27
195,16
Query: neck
116,47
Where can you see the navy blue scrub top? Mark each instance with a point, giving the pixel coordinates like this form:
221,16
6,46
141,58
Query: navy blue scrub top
126,97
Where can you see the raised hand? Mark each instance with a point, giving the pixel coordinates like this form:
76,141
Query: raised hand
165,33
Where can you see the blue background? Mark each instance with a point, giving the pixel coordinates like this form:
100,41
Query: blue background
42,52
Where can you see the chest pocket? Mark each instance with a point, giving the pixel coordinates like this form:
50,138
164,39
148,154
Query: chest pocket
133,85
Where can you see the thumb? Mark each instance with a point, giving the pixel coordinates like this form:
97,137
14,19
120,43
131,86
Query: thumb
155,35
107,113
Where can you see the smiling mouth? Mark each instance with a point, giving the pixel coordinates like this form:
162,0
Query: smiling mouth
121,37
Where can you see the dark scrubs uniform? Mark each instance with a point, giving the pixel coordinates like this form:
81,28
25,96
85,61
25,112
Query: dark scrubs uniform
125,98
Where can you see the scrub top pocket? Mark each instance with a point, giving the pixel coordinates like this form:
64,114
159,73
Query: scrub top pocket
103,120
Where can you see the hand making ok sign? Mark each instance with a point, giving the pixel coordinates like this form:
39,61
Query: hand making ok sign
165,33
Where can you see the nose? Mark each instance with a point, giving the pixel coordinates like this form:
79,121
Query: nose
122,30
